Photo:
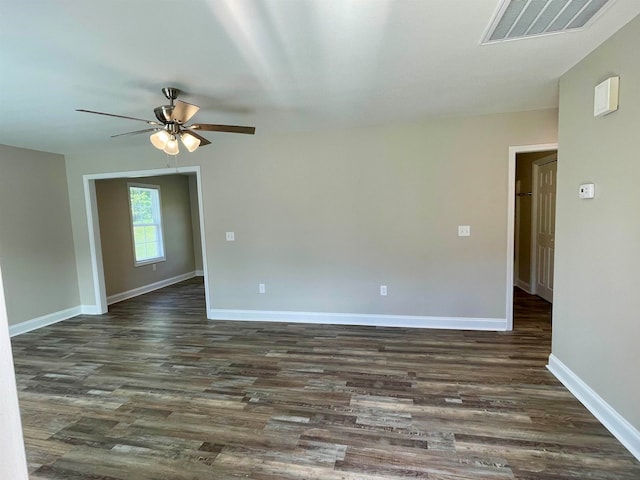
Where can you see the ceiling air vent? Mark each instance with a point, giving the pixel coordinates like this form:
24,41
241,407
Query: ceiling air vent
528,18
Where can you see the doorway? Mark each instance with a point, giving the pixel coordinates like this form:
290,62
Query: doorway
520,224
535,222
166,248
97,264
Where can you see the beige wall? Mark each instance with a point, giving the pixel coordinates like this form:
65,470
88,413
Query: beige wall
36,243
324,218
596,327
120,274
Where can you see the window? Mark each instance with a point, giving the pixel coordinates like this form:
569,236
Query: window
146,223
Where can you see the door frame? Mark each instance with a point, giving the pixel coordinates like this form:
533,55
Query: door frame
511,206
95,246
516,236
533,277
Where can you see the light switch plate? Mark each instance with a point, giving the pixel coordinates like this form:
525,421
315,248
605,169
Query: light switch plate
587,190
464,230
230,236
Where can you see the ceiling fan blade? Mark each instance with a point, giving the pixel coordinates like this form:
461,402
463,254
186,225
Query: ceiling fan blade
150,122
146,130
203,141
223,128
183,111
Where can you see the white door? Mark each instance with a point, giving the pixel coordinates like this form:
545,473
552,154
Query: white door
545,228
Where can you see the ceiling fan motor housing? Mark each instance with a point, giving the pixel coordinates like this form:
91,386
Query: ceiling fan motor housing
171,93
163,113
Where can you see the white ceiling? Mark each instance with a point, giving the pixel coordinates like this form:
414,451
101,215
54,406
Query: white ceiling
276,64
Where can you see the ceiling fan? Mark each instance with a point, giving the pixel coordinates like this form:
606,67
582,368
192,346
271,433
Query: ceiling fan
171,124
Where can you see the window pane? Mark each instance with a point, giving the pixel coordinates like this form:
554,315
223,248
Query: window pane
146,222
152,250
141,251
150,234
138,234
142,205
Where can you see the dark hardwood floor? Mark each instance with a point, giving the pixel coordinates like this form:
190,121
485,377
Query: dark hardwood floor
155,391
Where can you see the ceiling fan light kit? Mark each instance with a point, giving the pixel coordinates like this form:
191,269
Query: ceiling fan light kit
160,139
189,141
171,124
168,143
171,148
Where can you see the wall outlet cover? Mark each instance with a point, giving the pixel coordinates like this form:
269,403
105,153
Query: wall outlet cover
587,190
464,230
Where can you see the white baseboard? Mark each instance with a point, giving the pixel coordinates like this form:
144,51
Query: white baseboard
119,297
43,321
90,310
620,428
456,323
55,317
199,273
524,286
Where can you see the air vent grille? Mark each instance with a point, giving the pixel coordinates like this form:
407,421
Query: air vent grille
527,18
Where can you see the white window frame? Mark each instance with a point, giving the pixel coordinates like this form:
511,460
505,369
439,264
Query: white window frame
160,258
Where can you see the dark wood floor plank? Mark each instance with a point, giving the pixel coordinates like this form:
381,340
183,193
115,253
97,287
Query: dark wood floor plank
155,391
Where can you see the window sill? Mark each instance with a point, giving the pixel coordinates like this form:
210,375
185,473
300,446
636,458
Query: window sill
149,262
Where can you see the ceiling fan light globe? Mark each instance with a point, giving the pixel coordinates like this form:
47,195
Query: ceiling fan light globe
172,147
160,139
189,141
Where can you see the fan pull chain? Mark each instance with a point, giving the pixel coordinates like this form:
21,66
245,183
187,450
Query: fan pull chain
169,160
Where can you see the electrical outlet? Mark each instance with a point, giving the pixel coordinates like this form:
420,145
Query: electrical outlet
383,290
154,267
464,230
587,190
261,288
231,236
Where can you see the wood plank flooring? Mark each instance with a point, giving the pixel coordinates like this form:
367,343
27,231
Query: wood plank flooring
155,391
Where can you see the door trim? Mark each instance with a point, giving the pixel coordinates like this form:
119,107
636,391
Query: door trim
516,236
511,205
